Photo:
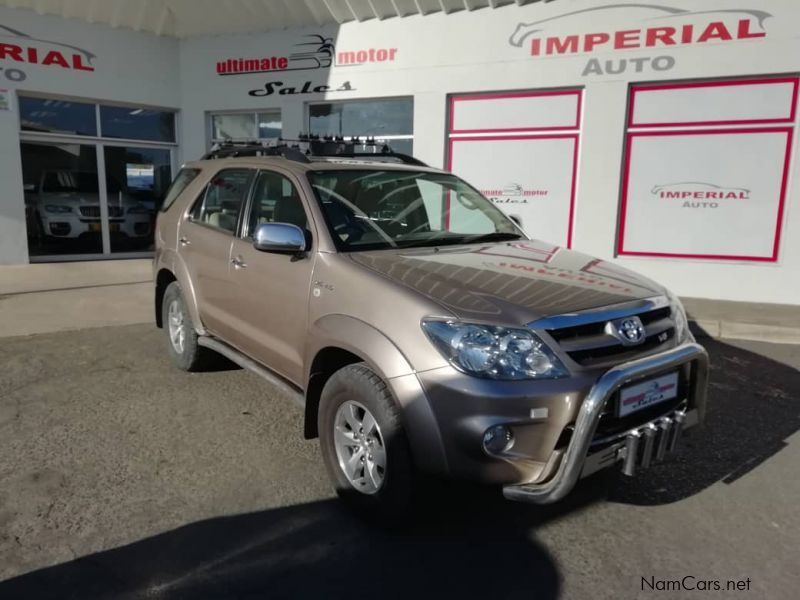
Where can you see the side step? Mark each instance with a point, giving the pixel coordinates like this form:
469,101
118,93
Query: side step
245,362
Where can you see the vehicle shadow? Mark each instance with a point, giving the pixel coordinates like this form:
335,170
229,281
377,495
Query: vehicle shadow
753,407
319,550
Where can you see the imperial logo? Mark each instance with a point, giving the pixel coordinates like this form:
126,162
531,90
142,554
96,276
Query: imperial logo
318,52
668,27
512,193
19,47
695,190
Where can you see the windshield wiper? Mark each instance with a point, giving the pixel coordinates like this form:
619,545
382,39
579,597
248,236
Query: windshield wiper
436,240
495,236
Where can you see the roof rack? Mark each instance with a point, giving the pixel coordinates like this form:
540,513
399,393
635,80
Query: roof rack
316,147
255,148
330,146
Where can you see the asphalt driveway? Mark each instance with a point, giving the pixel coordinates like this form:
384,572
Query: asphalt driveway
121,477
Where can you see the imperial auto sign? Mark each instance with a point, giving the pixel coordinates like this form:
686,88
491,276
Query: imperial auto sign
18,49
659,27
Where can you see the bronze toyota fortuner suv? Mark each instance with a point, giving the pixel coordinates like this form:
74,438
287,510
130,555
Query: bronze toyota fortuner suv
419,327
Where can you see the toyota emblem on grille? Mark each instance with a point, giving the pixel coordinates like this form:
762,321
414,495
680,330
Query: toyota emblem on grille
628,330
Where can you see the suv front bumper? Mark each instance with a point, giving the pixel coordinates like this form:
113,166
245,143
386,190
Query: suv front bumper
638,446
555,423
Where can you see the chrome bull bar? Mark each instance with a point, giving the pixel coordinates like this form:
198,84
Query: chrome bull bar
639,446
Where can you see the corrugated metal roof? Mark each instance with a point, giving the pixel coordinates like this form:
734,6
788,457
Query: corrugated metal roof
185,18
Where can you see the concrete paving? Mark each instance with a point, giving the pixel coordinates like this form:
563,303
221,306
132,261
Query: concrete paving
42,277
42,298
121,477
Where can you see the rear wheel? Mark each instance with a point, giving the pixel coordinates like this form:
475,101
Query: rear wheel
186,353
364,446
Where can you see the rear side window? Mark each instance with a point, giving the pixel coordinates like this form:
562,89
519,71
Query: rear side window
183,179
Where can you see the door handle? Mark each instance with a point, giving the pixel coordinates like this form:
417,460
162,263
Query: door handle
238,263
184,241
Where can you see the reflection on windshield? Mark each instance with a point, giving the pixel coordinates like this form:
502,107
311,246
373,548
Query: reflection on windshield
373,209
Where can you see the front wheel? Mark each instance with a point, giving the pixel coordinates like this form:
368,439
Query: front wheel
186,353
364,446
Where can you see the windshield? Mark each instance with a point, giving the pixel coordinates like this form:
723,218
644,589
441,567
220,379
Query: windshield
373,209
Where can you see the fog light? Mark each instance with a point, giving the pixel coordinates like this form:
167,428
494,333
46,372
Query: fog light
498,439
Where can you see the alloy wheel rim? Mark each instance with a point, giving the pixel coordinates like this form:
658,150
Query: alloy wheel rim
360,447
177,331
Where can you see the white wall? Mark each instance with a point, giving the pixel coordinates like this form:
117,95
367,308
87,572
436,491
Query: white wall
129,67
470,52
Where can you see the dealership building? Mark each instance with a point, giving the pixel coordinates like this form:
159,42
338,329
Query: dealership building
659,136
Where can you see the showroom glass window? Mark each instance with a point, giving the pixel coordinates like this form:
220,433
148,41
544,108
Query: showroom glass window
51,115
94,176
388,120
132,123
264,125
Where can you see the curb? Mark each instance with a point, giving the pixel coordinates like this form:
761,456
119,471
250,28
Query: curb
775,334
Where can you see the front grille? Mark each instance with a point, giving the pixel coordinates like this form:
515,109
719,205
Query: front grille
94,211
589,345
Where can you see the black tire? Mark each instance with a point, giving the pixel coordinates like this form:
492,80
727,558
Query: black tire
192,357
394,498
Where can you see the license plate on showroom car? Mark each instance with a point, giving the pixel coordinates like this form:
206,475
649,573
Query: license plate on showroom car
647,393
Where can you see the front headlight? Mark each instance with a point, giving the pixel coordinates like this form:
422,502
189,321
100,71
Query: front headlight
682,333
58,208
494,352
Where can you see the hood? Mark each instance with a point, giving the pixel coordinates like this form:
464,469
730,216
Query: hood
515,282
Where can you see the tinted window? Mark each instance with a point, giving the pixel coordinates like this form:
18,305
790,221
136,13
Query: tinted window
223,199
57,116
275,200
184,178
137,123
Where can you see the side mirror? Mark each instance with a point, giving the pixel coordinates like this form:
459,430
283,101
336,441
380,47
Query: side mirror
517,219
279,237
